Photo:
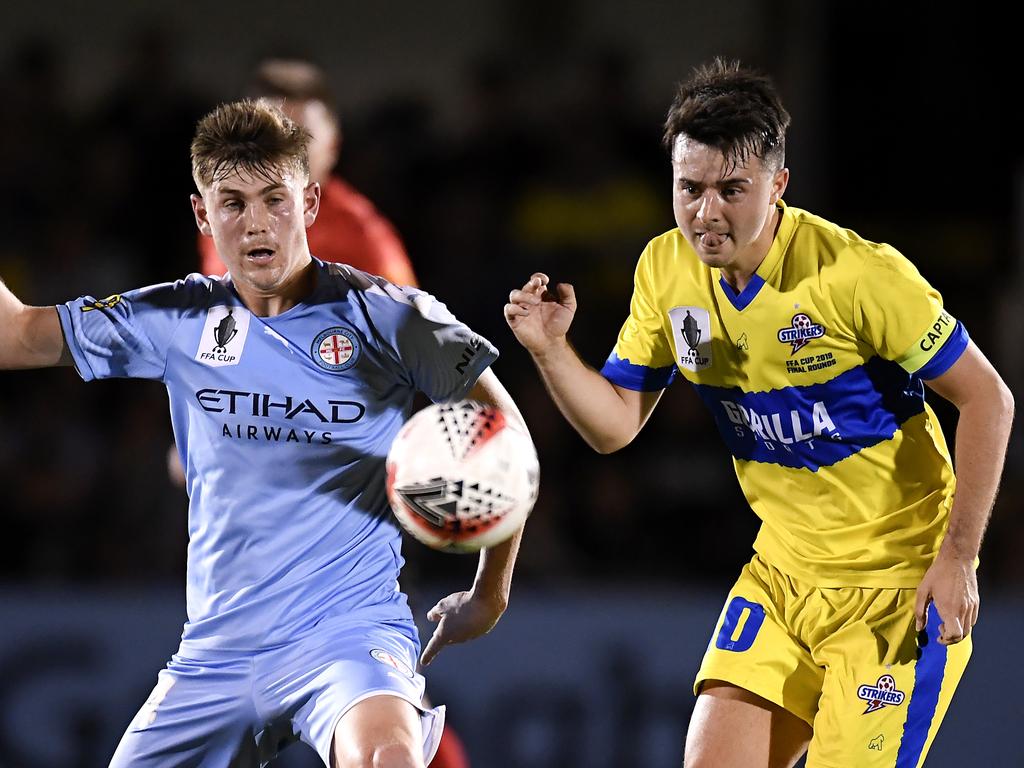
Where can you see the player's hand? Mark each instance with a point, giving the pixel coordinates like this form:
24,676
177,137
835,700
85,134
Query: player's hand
951,585
460,617
539,313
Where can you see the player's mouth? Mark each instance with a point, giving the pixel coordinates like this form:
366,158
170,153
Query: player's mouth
260,255
712,240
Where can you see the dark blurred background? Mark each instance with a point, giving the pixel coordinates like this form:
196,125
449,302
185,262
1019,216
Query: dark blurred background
500,137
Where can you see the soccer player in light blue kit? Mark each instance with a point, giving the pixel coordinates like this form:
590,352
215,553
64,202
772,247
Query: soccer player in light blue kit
287,380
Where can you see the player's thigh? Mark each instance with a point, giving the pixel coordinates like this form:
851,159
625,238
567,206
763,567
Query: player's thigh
382,731
887,688
754,648
734,728
195,717
318,682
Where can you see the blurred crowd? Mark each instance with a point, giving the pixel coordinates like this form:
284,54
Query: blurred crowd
561,172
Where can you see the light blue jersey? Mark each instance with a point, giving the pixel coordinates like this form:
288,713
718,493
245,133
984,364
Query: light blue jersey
283,424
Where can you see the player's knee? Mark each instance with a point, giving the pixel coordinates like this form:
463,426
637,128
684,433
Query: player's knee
385,756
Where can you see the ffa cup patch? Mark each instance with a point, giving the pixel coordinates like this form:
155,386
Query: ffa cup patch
223,336
691,328
336,349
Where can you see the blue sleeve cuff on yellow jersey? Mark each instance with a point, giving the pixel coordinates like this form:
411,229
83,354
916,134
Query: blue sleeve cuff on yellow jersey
637,377
945,357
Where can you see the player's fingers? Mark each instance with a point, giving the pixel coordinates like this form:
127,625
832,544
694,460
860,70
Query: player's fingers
434,646
437,612
951,631
516,310
564,293
921,607
517,296
537,281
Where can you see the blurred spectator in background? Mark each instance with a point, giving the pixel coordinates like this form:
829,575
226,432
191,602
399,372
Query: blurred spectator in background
348,228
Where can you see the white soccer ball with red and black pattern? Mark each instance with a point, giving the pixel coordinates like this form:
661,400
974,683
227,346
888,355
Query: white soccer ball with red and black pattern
462,476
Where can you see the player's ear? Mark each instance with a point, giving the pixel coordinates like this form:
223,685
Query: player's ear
310,203
201,214
780,181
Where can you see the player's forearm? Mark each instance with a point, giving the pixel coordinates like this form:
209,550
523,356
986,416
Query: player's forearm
982,433
586,398
30,337
493,581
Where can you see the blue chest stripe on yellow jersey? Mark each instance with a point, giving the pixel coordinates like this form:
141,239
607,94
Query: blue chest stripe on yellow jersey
816,425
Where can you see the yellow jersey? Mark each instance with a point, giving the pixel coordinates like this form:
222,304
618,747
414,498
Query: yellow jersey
814,376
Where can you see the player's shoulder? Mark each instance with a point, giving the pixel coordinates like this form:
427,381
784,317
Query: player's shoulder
194,291
670,253
375,290
826,243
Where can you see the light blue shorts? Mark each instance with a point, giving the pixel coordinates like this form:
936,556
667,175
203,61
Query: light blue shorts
231,711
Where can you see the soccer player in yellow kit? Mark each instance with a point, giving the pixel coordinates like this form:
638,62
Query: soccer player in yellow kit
846,634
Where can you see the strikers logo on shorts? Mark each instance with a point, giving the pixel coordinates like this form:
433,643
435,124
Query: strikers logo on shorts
336,349
881,694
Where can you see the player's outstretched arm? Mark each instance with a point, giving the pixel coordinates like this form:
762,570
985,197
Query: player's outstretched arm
466,615
607,416
983,429
30,337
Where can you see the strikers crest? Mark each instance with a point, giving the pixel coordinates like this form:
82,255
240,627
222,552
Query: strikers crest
336,349
884,693
691,328
800,332
223,336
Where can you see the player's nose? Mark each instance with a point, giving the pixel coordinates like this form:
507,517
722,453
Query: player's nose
257,218
709,208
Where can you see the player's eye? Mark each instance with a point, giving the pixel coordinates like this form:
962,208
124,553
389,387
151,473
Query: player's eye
234,205
687,189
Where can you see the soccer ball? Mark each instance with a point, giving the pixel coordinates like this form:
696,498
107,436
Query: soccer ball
462,476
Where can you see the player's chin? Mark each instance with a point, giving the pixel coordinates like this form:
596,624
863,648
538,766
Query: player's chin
714,258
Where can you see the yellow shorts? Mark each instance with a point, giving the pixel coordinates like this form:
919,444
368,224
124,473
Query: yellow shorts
848,661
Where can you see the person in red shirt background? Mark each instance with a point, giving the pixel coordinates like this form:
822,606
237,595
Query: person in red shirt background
348,228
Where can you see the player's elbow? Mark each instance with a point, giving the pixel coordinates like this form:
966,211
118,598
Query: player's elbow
1005,400
611,442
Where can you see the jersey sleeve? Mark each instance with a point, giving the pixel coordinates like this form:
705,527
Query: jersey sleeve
901,317
124,335
442,356
642,358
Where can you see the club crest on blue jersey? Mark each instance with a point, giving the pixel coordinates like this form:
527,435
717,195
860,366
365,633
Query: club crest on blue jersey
691,327
336,349
801,331
223,336
884,693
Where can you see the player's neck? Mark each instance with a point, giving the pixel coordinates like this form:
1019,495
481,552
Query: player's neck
742,270
276,300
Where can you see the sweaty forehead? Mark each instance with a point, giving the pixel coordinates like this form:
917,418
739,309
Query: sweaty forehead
254,181
695,160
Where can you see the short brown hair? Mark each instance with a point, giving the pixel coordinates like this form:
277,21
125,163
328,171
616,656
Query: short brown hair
250,136
733,109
